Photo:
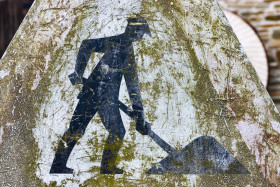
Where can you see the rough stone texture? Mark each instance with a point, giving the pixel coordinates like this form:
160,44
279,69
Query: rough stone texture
195,80
264,16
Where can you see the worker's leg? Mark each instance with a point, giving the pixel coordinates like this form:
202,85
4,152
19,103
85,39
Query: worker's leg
83,113
111,118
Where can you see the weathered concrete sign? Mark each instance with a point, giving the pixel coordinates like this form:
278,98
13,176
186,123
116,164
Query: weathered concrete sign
110,93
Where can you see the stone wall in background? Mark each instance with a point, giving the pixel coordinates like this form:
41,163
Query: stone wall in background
264,16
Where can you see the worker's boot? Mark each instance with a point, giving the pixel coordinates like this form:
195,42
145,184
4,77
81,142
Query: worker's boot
109,158
61,156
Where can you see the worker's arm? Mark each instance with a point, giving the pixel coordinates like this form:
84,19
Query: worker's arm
87,47
132,83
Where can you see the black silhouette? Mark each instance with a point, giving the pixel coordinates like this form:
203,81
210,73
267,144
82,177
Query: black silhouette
100,93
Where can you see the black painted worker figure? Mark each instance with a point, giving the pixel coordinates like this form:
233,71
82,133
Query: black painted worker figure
101,93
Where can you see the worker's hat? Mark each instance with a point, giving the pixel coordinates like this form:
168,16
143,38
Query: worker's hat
138,21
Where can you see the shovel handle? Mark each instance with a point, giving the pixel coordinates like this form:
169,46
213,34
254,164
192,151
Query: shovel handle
163,144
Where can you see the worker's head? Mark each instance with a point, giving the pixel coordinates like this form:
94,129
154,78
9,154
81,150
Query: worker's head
136,28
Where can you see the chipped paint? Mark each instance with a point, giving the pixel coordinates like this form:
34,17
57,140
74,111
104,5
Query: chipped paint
252,138
1,134
4,73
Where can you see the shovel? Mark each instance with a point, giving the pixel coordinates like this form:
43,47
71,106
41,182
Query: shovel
163,144
203,155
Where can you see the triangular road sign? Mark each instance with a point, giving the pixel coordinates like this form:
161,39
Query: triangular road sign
109,93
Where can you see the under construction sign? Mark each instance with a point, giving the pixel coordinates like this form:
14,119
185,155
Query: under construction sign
109,93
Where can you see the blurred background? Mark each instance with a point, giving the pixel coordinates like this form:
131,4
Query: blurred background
12,13
255,22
